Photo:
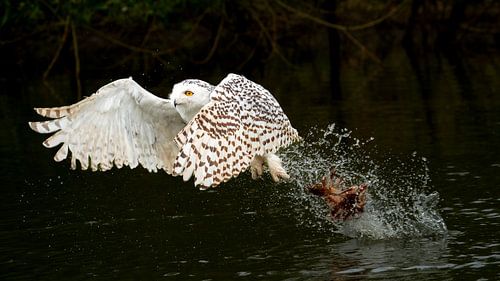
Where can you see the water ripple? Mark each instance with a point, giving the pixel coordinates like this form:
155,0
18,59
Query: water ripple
399,203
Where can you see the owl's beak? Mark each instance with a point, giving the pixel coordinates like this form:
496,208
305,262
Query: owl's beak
175,103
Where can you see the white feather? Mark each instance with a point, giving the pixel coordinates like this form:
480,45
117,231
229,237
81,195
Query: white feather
121,123
240,112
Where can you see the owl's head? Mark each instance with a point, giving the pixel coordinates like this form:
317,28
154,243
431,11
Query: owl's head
189,96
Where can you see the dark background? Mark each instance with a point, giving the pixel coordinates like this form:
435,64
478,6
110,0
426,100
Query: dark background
174,39
402,94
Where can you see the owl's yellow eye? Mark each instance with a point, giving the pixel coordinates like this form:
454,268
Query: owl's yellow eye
188,93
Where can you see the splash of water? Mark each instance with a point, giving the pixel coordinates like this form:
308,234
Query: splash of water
398,201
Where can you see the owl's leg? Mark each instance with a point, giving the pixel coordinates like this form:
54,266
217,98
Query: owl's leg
275,168
257,167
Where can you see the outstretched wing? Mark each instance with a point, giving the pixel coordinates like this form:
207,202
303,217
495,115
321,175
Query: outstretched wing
242,120
121,124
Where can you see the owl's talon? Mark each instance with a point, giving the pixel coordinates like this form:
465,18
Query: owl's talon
276,170
257,167
209,132
256,172
279,176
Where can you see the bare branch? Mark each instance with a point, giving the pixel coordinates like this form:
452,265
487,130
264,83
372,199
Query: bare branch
77,60
269,37
214,45
59,48
361,46
339,26
345,29
146,50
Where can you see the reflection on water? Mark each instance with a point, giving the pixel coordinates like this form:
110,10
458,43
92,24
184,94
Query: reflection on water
393,258
431,135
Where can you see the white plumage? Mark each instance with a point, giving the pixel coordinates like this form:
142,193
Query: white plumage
213,133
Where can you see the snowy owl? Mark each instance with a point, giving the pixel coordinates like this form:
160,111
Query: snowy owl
211,132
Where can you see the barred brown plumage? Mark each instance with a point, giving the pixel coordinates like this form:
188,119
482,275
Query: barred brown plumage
262,128
213,133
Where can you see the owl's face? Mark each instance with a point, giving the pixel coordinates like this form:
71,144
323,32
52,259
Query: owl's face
189,96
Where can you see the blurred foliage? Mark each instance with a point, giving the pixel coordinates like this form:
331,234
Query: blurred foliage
121,12
238,32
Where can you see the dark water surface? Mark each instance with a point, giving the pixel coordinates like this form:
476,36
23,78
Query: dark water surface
433,165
